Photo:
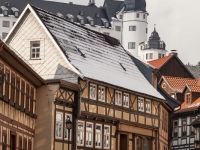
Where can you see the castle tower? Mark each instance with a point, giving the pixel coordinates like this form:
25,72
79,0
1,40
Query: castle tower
133,18
152,49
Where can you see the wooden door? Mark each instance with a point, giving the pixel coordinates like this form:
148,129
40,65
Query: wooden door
12,142
123,142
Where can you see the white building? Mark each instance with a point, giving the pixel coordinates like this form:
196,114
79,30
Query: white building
152,49
126,21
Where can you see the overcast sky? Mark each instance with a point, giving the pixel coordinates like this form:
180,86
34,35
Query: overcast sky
177,22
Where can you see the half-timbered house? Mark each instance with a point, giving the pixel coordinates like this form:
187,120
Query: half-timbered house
92,81
17,101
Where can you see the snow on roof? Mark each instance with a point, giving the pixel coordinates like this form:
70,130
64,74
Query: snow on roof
95,55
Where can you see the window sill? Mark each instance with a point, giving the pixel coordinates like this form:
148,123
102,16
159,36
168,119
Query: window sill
35,59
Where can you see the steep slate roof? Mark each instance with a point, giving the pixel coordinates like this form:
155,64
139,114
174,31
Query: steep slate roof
95,55
195,70
158,63
178,83
63,8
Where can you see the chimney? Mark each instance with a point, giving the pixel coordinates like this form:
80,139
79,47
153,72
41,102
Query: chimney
173,52
91,2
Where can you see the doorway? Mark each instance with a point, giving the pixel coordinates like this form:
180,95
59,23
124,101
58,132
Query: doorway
12,142
123,142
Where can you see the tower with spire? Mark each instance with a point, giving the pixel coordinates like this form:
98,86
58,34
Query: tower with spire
152,49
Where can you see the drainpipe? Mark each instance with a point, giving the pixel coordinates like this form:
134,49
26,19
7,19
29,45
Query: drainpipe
77,115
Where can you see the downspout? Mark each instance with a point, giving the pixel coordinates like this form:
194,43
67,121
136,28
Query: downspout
77,114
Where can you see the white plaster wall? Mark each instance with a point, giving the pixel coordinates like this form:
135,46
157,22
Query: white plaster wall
138,36
6,29
51,65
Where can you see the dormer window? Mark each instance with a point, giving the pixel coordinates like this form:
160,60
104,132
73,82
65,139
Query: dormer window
161,45
81,13
15,11
4,10
60,15
81,19
105,22
90,20
187,98
97,15
70,17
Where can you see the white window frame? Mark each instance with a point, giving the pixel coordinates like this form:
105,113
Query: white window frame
106,138
6,24
101,96
148,105
126,100
132,28
93,92
66,137
89,132
140,103
117,28
81,131
34,50
99,133
118,99
59,123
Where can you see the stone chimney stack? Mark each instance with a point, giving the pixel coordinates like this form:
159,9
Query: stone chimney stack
173,52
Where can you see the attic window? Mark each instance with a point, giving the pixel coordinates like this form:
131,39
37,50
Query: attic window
80,19
81,13
105,22
4,10
122,67
60,15
97,15
15,11
90,20
70,17
78,49
187,98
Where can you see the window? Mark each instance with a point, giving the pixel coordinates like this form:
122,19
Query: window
131,45
192,128
175,129
163,85
187,98
27,96
118,98
126,100
92,91
159,55
4,142
12,87
89,134
138,15
98,135
31,99
1,78
147,56
139,143
20,143
106,137
147,144
146,30
120,16
67,133
17,89
140,104
144,16
35,49
151,55
101,94
161,45
80,137
4,35
117,28
146,45
6,24
106,33
184,127
148,106
29,145
132,28
140,47
163,55
59,125
7,83
25,144
22,93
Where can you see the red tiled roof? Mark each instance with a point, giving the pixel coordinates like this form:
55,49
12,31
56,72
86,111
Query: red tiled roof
185,108
194,88
178,83
159,62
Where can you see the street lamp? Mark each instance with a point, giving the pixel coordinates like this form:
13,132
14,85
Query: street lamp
68,126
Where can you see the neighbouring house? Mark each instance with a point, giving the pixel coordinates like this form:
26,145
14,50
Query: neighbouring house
196,125
195,70
92,81
17,101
